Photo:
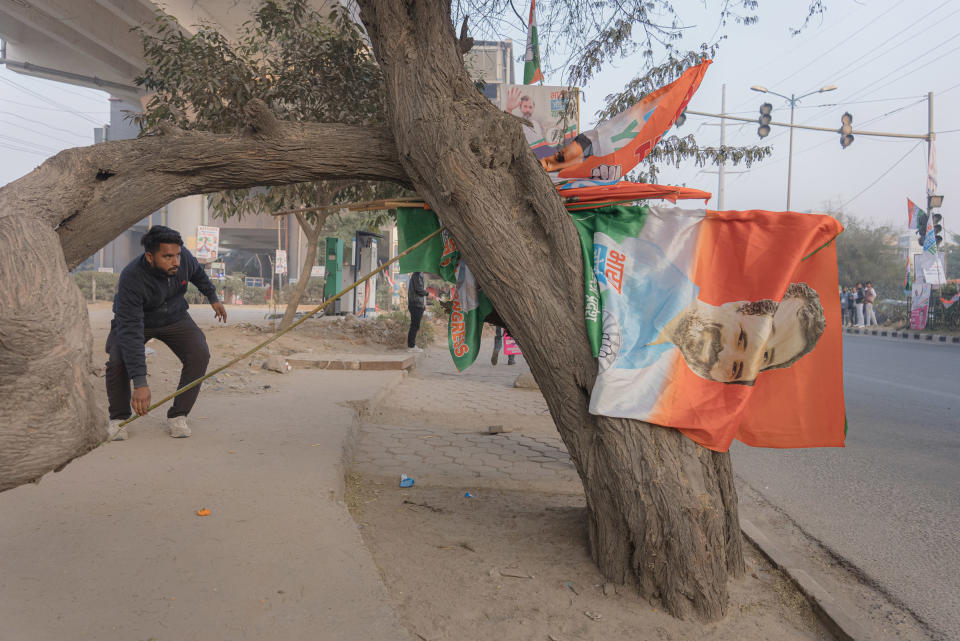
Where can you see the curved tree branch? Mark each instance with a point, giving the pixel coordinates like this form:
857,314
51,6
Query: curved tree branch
79,192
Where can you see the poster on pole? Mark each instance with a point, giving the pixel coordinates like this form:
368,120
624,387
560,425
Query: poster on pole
280,261
551,124
919,305
208,243
930,266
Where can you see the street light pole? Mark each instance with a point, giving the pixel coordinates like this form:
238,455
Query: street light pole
793,104
793,99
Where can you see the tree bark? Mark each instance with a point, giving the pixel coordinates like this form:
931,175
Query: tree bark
313,237
662,509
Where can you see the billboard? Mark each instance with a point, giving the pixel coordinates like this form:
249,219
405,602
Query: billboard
208,243
552,125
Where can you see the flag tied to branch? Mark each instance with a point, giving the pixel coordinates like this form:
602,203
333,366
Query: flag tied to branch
618,144
721,324
440,256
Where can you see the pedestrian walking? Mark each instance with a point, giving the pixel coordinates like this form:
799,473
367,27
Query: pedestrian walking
844,316
416,303
497,346
869,296
859,299
150,303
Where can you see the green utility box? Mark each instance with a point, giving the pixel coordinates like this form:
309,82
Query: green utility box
334,270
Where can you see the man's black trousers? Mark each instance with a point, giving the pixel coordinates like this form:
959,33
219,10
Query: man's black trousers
416,313
185,340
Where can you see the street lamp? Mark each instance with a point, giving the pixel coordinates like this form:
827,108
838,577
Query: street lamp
793,100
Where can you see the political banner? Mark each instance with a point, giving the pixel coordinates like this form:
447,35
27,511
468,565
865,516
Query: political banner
208,243
510,347
469,305
919,305
930,269
280,261
618,144
699,326
546,109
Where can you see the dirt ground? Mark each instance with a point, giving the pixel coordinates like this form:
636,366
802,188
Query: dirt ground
514,565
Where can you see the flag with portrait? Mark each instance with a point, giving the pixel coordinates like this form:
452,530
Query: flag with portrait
721,324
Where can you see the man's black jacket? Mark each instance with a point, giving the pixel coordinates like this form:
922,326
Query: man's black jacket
416,291
148,298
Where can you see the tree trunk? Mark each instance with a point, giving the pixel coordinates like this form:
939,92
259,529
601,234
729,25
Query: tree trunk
663,510
313,237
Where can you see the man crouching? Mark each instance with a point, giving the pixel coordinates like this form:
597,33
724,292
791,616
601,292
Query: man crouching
149,304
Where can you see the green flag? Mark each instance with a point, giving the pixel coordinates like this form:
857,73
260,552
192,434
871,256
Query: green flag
413,225
531,59
441,256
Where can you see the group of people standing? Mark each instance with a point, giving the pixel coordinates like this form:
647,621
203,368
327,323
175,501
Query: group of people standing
856,303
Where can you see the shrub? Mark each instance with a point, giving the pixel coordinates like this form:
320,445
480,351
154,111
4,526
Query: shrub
391,328
106,284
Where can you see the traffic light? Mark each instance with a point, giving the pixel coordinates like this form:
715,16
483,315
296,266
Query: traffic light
937,229
922,218
764,129
846,130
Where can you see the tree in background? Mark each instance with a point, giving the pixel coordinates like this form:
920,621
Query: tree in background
305,67
870,252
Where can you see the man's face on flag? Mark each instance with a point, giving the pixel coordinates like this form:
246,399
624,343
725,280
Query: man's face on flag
725,343
734,342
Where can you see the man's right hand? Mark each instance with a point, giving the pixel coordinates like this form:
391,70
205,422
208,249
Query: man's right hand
513,99
141,400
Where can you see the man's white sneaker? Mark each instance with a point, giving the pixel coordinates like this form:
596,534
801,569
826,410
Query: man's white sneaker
115,432
414,349
178,427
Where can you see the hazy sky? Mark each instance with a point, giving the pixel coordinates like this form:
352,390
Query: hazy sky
883,55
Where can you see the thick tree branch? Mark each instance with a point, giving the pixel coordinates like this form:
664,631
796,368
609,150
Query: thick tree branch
79,192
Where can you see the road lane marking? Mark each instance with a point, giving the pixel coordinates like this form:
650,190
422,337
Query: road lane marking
903,386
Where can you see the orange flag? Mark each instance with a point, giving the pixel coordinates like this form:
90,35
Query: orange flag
617,145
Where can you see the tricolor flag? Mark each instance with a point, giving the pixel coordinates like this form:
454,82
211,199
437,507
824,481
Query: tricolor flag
913,213
947,302
531,59
907,287
704,329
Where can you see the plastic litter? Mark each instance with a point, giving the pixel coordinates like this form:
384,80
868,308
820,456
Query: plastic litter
467,495
406,481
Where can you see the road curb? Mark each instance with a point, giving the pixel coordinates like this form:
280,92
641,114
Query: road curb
904,334
831,612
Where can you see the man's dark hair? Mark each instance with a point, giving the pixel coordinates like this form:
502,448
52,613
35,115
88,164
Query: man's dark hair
690,335
810,315
159,235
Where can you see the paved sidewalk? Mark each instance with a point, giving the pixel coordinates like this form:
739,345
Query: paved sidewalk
111,548
433,427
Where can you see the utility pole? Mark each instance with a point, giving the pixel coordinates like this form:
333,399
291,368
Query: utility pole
723,146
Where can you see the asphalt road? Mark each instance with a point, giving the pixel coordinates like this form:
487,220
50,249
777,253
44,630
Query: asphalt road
890,501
